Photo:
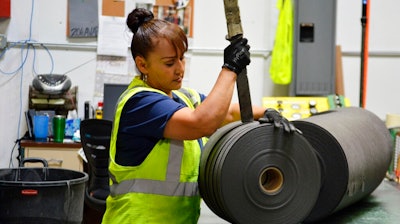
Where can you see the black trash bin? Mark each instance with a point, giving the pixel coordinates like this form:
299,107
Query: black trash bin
41,195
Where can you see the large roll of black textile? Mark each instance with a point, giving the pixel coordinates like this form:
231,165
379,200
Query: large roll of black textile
255,173
354,149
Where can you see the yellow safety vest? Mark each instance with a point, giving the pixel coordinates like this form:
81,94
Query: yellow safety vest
164,188
282,54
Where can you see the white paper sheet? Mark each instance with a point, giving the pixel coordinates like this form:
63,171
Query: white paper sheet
112,39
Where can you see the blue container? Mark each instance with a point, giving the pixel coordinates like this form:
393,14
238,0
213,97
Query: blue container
41,127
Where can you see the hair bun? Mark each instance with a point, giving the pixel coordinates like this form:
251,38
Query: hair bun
137,17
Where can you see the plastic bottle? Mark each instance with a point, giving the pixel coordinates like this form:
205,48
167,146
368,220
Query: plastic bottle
99,110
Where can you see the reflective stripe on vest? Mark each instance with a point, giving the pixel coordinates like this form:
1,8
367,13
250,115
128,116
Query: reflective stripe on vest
169,187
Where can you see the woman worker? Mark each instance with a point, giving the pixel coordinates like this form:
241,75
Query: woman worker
160,127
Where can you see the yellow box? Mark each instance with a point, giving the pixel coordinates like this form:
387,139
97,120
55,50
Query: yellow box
294,108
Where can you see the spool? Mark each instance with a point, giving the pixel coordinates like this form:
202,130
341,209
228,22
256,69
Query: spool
256,173
271,180
355,149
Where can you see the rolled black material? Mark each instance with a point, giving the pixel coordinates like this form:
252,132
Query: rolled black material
354,148
255,173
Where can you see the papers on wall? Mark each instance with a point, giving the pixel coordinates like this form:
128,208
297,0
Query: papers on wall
113,38
113,65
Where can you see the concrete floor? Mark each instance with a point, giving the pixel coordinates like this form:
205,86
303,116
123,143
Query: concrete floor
382,207
208,217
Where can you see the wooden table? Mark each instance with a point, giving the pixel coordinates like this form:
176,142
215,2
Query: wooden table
61,155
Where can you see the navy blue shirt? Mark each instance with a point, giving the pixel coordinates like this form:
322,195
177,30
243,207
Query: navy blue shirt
142,125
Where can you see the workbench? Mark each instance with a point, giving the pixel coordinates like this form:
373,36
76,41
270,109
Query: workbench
58,155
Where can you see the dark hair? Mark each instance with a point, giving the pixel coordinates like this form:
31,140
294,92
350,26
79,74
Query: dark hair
145,28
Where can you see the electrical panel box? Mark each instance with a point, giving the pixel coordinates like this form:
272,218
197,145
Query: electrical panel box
314,48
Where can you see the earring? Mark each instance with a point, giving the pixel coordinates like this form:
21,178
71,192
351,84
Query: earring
144,78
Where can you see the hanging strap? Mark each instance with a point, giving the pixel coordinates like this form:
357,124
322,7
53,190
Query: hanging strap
233,22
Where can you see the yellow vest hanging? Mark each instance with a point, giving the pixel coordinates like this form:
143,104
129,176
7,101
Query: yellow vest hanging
164,188
282,54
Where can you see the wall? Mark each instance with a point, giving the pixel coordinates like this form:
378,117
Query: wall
205,57
384,51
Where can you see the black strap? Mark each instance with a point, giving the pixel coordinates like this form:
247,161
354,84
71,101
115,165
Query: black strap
242,84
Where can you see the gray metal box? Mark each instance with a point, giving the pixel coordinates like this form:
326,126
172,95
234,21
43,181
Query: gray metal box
314,48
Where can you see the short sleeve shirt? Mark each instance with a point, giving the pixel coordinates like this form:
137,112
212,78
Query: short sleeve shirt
142,123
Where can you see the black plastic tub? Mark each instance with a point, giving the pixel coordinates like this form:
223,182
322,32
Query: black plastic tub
41,195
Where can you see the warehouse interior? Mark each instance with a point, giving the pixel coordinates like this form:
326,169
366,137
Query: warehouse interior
328,67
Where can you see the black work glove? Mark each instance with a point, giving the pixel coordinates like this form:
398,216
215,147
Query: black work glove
273,116
237,55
